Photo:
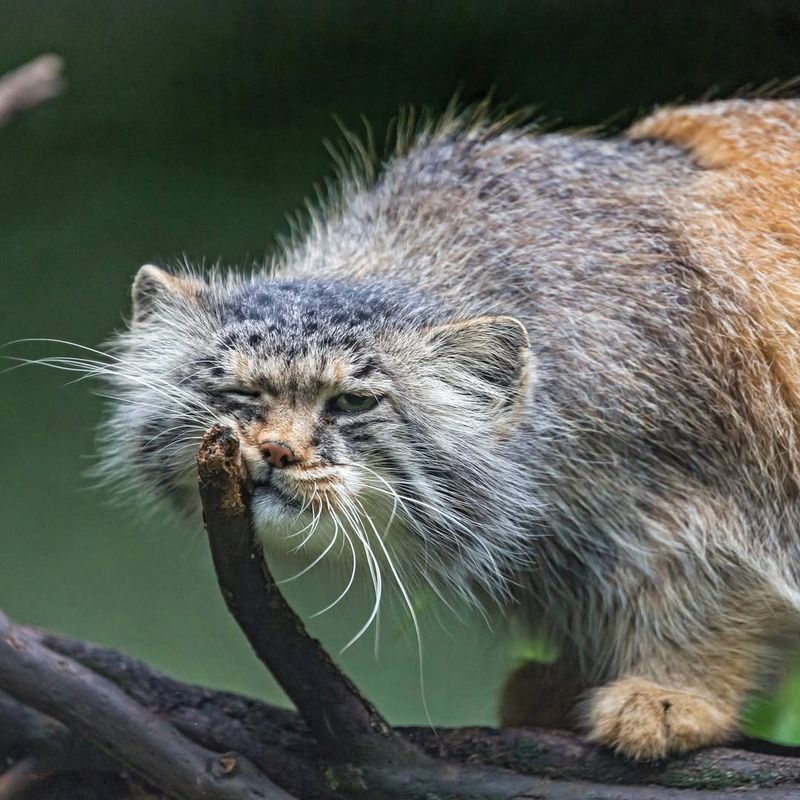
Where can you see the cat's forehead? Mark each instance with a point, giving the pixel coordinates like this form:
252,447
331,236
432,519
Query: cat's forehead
309,333
290,312
306,308
292,341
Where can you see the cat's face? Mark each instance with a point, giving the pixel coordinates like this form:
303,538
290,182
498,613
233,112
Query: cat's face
367,423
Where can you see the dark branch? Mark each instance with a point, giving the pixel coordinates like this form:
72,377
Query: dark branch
101,712
346,725
280,744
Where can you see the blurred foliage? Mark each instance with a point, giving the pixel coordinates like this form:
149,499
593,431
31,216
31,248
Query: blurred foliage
193,128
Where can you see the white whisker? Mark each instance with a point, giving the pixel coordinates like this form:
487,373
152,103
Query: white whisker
317,559
374,570
346,538
409,606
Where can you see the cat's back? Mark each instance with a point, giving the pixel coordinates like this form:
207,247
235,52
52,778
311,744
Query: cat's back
496,216
693,205
739,218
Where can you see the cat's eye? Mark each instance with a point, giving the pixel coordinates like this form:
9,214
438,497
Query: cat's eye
353,403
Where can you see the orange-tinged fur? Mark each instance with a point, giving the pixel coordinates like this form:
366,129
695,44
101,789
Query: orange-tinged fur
646,720
738,222
740,217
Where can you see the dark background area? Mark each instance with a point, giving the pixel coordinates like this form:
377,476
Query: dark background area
194,128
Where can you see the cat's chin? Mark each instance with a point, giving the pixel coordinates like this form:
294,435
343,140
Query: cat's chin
272,509
282,525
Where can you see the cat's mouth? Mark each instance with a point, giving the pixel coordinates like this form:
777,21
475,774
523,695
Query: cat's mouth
271,506
285,497
298,488
267,488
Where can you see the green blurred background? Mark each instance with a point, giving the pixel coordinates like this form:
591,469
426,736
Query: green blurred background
194,128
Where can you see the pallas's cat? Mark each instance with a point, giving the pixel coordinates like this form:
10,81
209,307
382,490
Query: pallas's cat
552,373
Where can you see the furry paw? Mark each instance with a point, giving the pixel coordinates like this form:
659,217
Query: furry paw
643,720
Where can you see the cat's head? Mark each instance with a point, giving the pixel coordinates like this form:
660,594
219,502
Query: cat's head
369,418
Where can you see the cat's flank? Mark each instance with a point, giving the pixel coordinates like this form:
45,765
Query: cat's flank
550,372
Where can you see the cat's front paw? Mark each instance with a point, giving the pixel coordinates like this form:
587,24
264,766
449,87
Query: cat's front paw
643,720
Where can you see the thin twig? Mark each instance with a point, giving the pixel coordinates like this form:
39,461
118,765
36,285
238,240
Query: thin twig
29,85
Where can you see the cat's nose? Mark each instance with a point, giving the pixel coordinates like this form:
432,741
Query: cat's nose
277,454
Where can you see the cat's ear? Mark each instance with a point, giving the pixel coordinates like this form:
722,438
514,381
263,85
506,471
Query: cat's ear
154,288
489,357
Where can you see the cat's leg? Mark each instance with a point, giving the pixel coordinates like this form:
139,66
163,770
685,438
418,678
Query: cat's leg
645,719
543,695
678,697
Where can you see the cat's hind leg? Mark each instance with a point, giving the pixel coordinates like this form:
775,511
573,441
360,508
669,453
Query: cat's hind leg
542,695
